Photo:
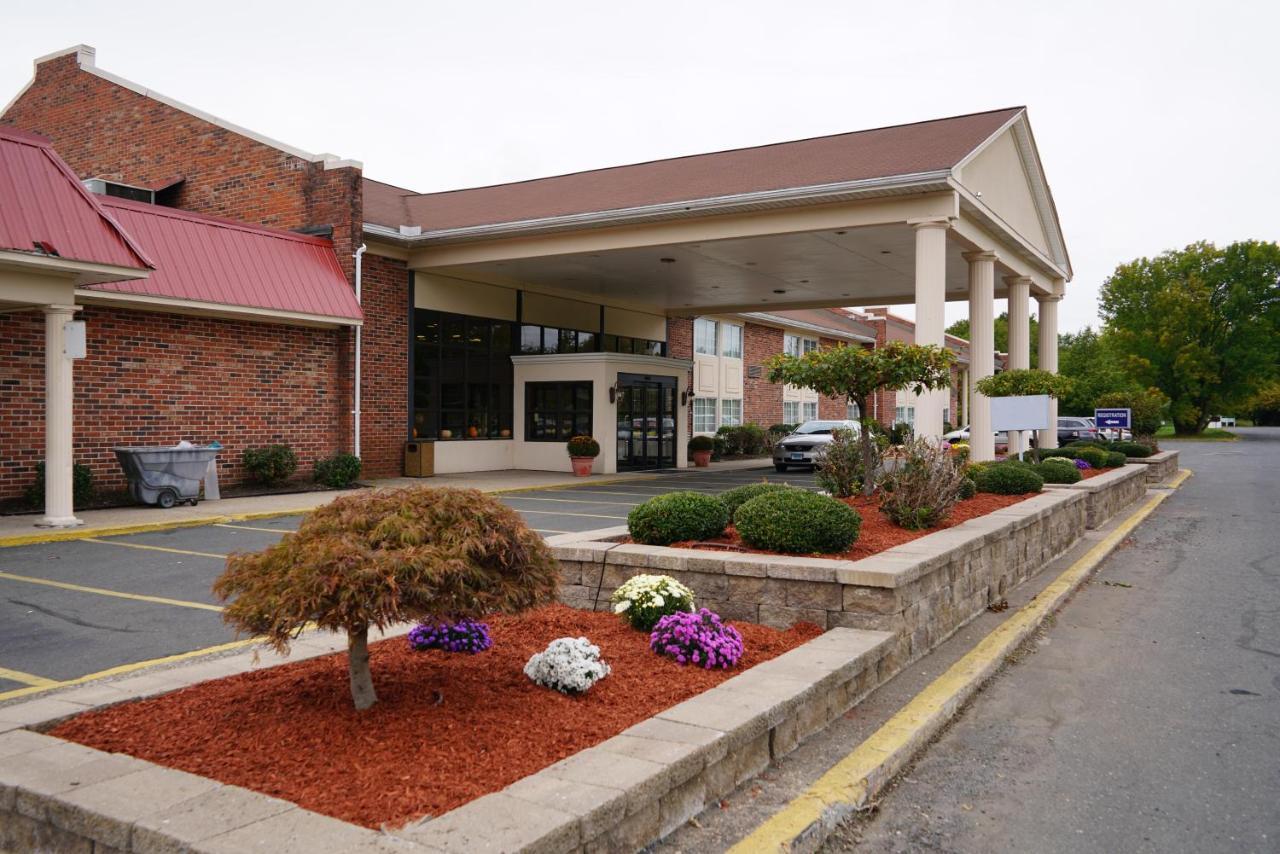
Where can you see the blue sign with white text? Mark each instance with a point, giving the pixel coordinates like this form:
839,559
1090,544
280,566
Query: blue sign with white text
1111,418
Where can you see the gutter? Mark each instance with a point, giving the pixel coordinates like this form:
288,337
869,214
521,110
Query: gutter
811,327
819,193
355,401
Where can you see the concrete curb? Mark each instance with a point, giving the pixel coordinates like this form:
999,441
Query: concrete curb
806,822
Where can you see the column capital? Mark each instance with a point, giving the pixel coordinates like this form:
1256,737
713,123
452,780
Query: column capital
1045,298
980,255
1017,280
930,222
57,308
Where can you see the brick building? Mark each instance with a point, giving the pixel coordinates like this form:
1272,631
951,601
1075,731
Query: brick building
494,322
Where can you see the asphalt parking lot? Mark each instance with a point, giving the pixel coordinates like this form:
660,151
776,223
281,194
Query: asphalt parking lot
79,608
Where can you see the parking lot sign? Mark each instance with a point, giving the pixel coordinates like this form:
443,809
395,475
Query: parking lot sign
1112,418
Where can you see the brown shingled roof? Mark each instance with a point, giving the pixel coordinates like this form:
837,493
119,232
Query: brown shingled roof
880,153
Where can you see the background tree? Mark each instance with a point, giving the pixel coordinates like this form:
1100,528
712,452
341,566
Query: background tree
1202,324
1095,368
961,330
380,558
856,373
1264,407
1146,409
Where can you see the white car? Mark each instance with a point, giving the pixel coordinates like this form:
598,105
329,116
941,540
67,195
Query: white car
962,435
808,443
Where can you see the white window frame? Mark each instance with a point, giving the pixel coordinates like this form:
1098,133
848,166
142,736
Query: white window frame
851,411
700,325
730,420
798,345
810,410
701,424
792,407
731,331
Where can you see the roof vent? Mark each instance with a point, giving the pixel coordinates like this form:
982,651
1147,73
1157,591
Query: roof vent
103,187
410,230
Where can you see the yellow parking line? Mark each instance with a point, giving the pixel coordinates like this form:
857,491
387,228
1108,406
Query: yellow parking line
99,591
153,548
252,528
855,778
26,678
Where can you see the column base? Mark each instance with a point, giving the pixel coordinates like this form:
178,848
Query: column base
59,522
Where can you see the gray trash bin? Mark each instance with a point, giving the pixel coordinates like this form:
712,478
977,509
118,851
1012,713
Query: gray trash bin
165,476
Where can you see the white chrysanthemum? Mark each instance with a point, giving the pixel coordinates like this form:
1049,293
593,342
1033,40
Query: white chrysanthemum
622,606
569,665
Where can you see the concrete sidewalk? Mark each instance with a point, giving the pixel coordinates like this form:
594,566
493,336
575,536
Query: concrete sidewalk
21,530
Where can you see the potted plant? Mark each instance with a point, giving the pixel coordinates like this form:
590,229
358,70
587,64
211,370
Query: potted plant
700,448
583,451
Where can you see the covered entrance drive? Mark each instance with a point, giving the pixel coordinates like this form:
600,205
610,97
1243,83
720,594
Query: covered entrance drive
955,209
646,422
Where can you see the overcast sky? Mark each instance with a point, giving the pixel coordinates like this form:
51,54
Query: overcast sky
1157,121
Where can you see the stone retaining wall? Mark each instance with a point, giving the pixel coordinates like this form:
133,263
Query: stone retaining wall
1108,493
1160,467
620,795
922,591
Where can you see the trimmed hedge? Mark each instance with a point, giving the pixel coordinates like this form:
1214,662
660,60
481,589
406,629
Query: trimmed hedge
338,471
677,516
1058,470
1130,449
81,486
796,521
968,489
1115,459
1009,479
736,497
702,443
1065,453
272,464
1095,457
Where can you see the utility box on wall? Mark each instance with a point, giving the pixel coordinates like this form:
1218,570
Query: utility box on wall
419,459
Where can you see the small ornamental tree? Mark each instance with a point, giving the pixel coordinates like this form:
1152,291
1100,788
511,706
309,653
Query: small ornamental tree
1019,382
856,373
379,558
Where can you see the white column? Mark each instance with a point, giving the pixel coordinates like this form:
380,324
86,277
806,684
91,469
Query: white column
58,393
1048,360
931,305
1019,338
982,351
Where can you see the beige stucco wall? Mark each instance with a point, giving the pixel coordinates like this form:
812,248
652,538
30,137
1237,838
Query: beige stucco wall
998,175
457,296
27,288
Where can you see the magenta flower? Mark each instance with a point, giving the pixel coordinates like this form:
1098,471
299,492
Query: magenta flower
699,638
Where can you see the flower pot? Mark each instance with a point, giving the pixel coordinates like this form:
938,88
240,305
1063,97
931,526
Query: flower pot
701,459
582,465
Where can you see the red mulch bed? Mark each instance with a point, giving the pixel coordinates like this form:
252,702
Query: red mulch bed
446,730
877,533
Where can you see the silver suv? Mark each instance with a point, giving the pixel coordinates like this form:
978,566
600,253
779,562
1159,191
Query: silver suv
807,445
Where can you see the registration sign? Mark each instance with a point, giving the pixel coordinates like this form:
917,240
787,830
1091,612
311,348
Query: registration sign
1109,418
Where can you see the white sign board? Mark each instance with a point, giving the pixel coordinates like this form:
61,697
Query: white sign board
1028,412
74,340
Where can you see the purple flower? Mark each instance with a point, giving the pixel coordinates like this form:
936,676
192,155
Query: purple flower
697,638
466,635
1083,465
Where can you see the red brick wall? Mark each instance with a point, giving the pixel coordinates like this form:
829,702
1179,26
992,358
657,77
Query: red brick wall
761,399
680,346
385,365
154,379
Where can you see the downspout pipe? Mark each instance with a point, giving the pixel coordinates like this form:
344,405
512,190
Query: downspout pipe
355,408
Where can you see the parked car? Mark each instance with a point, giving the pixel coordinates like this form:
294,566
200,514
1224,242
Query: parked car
807,444
1075,428
1111,434
962,435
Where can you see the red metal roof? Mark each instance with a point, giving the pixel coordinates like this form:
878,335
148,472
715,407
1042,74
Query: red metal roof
218,261
42,202
879,153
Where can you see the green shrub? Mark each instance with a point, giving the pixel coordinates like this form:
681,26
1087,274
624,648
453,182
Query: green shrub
797,521
583,446
968,489
1115,459
81,486
642,600
1130,449
1088,443
747,439
272,464
1009,478
1063,453
783,429
923,490
1095,457
899,433
736,497
1146,408
843,471
702,443
677,516
1058,470
338,471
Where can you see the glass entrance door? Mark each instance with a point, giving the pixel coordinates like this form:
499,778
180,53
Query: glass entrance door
646,422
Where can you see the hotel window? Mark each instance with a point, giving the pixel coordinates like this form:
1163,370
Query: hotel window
731,341
730,412
541,340
851,411
791,412
462,376
704,336
556,412
704,415
905,415
796,345
638,346
811,411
